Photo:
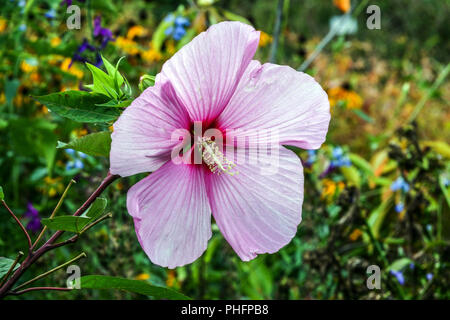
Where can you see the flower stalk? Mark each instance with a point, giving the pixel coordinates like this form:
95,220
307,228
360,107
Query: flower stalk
33,256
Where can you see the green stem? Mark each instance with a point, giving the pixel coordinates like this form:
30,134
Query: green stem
439,80
276,31
81,255
53,213
329,36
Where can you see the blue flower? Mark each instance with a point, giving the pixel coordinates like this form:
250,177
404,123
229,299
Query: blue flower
23,27
178,29
429,276
399,276
178,33
339,159
81,155
181,22
337,152
400,184
399,207
312,157
78,164
412,266
50,14
169,18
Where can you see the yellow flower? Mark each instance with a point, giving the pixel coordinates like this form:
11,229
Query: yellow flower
80,132
170,45
72,69
355,235
55,186
119,185
27,66
170,278
3,24
343,5
127,45
35,77
136,31
142,276
330,188
351,99
264,39
151,55
55,41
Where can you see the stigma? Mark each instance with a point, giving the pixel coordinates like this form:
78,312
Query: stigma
214,158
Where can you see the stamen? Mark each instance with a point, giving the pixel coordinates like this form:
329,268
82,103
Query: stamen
214,158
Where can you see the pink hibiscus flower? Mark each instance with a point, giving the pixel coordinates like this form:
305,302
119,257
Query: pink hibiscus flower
213,81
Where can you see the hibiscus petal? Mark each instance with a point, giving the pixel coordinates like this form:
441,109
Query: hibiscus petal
278,100
206,71
172,214
256,212
141,141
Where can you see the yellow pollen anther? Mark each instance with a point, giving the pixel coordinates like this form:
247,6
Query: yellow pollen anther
214,158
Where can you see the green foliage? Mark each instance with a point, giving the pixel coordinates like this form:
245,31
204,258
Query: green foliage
77,224
30,137
5,265
136,286
79,106
95,144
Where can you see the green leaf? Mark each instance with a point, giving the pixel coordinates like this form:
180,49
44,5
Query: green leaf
96,209
11,87
440,147
76,224
137,286
34,137
103,83
2,195
352,175
160,35
66,223
5,265
361,163
235,17
363,115
94,144
79,106
377,216
399,264
116,104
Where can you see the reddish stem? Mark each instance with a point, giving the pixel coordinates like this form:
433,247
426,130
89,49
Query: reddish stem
49,245
16,293
19,223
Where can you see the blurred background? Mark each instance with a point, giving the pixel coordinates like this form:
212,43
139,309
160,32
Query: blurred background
376,193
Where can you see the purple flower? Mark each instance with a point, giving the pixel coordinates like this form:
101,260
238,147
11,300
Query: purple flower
34,223
399,276
85,45
104,33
